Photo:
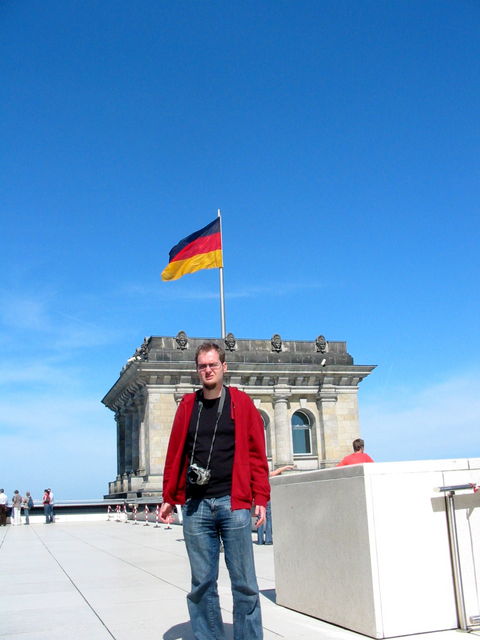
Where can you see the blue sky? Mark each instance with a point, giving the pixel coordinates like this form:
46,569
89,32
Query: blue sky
339,138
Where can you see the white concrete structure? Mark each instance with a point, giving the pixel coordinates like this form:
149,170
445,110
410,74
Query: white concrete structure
367,547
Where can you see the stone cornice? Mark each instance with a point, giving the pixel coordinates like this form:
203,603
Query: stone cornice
255,378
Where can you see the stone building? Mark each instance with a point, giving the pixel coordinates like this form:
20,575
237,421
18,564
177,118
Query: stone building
306,392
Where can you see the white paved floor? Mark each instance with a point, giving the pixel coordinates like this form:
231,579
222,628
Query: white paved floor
104,580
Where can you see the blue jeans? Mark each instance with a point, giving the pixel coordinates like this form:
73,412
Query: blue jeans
48,510
205,522
264,531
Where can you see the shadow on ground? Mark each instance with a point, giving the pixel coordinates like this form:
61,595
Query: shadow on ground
184,631
270,594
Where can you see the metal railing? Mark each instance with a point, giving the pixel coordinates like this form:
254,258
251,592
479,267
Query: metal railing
449,492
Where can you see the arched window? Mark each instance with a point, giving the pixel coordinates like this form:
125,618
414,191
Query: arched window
301,433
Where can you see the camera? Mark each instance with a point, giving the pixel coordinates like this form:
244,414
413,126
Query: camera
197,475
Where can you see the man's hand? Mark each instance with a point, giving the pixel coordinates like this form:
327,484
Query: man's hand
261,513
165,512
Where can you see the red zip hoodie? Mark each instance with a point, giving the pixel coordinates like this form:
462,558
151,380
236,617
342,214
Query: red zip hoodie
250,468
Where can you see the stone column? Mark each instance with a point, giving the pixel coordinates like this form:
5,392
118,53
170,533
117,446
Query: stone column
120,419
141,436
327,410
135,436
282,427
128,440
320,438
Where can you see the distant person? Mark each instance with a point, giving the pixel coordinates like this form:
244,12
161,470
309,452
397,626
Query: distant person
27,504
3,508
47,507
264,531
52,504
358,456
17,500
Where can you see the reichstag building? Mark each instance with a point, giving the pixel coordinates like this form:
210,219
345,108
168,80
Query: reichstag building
305,391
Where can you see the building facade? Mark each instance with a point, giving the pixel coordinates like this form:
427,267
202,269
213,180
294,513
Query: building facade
306,392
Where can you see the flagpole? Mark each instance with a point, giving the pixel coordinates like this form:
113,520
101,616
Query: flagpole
220,271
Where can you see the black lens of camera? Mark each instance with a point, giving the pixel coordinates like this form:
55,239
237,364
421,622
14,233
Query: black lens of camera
192,476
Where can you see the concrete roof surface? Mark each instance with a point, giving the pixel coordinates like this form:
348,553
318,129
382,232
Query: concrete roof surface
104,580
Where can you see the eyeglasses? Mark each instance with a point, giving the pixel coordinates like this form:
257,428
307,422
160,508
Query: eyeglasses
204,367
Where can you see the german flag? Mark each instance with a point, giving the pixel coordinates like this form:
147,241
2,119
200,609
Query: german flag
200,250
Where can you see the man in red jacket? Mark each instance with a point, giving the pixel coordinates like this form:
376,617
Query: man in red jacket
216,467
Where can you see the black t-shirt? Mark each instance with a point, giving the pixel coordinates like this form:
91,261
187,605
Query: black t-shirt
221,462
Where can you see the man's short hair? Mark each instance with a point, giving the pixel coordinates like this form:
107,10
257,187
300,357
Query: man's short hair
358,444
210,346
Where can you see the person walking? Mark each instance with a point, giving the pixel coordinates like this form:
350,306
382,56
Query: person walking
216,467
52,505
27,505
47,507
3,508
17,500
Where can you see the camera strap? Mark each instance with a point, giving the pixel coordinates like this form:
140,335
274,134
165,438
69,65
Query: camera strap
223,395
